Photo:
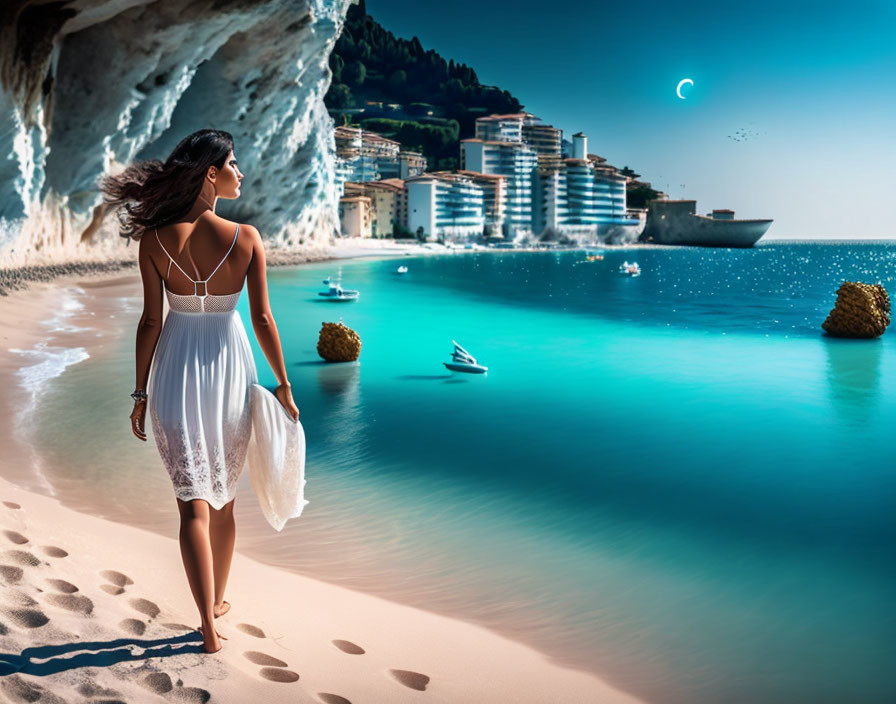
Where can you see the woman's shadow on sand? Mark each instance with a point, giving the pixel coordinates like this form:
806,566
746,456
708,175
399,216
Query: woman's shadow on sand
54,658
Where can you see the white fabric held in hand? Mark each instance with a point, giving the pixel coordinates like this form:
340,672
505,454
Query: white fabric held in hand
276,459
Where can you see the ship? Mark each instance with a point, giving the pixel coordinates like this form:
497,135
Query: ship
677,222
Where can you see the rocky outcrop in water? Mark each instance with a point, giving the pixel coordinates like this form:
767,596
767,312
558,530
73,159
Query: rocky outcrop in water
338,343
89,85
861,310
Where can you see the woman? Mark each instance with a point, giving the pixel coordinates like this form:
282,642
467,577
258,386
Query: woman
199,388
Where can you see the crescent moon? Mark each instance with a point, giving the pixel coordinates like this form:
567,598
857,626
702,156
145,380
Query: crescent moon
680,84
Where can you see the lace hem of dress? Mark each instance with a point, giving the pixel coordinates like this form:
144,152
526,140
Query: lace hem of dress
197,473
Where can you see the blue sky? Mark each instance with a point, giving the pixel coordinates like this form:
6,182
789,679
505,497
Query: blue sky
814,82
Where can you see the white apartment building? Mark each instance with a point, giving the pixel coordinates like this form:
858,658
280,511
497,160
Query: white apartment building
581,195
494,199
446,205
517,162
520,127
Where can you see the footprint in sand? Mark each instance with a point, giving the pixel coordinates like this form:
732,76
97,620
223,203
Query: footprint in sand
277,674
332,698
60,585
188,695
117,578
177,627
15,537
146,607
11,504
92,689
158,682
133,626
53,551
274,668
21,690
71,602
250,630
414,680
11,574
346,646
28,618
111,589
23,557
258,658
19,598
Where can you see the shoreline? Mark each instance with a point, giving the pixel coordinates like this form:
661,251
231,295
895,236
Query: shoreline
463,661
17,278
79,584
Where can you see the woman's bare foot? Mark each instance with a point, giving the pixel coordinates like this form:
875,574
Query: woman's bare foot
211,644
222,609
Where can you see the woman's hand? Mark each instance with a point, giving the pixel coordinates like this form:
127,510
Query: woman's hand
138,416
284,396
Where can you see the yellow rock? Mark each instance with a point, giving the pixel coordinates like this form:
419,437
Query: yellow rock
338,343
861,310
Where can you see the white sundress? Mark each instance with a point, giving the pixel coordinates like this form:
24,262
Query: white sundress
210,416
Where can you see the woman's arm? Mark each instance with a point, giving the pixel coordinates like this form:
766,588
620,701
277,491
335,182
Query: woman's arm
148,331
263,321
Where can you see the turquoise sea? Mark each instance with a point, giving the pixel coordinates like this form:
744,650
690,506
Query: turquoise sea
675,481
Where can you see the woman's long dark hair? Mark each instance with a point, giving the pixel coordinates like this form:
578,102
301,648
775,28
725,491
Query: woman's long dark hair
154,194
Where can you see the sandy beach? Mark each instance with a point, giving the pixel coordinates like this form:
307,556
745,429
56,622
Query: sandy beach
101,611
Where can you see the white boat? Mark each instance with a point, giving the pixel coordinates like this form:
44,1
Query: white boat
335,292
630,269
463,361
402,269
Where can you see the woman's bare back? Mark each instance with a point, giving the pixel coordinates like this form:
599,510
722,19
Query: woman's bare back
197,248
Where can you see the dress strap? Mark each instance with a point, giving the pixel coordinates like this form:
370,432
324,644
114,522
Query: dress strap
200,281
237,234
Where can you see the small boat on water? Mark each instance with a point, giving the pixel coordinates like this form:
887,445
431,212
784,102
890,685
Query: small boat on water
335,292
628,269
463,361
402,270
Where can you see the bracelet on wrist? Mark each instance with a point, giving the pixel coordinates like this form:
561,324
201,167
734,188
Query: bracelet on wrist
139,395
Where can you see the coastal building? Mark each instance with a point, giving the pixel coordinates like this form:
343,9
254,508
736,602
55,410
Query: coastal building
447,206
493,199
517,162
520,127
355,216
410,164
362,155
388,206
582,196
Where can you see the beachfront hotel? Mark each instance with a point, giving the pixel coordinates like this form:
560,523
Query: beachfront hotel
517,162
449,206
580,195
493,198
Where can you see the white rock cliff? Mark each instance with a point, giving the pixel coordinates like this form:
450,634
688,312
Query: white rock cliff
89,85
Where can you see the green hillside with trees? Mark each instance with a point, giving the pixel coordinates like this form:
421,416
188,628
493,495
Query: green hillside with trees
439,99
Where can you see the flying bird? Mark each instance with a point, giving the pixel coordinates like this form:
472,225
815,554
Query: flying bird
744,134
